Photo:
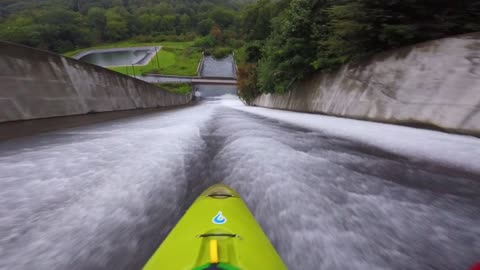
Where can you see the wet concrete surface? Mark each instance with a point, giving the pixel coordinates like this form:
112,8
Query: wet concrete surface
104,196
218,67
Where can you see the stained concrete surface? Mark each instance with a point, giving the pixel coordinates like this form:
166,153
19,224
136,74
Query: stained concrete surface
434,84
38,84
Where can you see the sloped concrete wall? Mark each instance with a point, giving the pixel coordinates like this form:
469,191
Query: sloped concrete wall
435,83
38,84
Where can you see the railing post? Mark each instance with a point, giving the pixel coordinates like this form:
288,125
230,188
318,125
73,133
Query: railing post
156,56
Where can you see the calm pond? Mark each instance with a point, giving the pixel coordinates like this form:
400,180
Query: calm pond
119,57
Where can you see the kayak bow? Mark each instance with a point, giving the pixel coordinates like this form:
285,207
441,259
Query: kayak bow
217,232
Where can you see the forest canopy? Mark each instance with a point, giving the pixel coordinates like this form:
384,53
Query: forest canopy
311,35
64,25
278,41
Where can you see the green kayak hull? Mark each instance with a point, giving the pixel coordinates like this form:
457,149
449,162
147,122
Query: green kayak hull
217,230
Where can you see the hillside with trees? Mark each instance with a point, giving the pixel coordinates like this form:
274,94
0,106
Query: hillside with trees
277,42
311,35
65,25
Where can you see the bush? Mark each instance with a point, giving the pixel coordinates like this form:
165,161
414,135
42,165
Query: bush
205,42
220,53
247,82
236,43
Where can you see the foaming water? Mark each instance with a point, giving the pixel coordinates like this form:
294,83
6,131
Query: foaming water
96,197
104,196
327,203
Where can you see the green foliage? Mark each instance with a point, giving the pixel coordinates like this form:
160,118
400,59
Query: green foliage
221,52
53,30
97,20
184,22
116,27
287,53
247,82
222,17
205,43
256,19
62,25
219,43
309,35
205,25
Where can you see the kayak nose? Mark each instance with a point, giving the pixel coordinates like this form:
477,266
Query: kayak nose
220,191
216,232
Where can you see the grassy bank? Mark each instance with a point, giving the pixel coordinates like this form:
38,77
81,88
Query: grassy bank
178,88
171,61
175,58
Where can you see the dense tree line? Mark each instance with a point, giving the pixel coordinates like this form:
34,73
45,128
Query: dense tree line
62,25
309,35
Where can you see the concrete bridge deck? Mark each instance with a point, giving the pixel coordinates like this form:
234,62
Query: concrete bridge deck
152,78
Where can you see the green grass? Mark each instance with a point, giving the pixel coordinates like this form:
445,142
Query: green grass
175,58
171,61
178,88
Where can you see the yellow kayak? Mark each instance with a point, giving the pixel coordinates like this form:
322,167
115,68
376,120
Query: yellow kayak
217,232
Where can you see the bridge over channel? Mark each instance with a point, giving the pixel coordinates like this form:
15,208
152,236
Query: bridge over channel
210,71
155,78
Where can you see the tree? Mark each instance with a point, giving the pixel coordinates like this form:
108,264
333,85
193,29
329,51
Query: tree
21,29
247,82
184,23
256,19
216,33
168,23
289,50
146,22
163,9
223,17
62,30
98,21
205,25
116,27
253,52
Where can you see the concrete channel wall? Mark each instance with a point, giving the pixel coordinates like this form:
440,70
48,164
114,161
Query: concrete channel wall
434,84
38,84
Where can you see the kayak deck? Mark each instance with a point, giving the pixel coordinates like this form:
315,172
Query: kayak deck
218,229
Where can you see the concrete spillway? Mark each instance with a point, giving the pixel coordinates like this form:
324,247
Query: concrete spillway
38,84
104,196
436,83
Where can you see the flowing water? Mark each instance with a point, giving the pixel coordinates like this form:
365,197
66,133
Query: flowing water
104,196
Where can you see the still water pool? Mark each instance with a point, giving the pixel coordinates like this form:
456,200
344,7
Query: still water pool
119,57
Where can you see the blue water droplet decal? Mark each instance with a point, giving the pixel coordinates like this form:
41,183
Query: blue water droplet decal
219,218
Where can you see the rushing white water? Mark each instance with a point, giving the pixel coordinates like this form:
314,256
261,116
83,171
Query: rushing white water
329,197
84,194
449,149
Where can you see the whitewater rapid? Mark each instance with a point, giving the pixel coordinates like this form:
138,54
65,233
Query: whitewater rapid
330,193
